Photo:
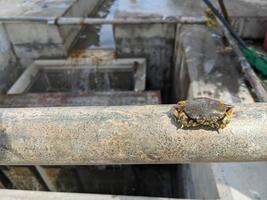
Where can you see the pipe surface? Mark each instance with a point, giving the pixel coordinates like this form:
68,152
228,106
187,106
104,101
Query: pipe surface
126,135
98,21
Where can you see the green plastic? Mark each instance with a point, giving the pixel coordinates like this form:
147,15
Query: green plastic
256,59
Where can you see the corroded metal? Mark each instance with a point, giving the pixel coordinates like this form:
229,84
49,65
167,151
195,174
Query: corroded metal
126,135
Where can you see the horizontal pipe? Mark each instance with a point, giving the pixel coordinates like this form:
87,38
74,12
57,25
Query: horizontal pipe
96,21
99,21
126,135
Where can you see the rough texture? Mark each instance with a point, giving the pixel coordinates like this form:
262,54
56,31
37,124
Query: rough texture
79,99
31,195
46,41
125,135
82,75
203,112
211,71
154,42
217,180
10,68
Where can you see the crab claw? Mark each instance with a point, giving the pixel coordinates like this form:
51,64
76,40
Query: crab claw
229,111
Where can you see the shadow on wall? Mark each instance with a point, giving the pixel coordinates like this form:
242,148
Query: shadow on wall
134,180
4,146
4,141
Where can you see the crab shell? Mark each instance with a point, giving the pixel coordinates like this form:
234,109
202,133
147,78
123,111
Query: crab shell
203,112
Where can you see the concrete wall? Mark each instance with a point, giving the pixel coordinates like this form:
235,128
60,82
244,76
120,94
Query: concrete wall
153,42
33,40
250,27
211,71
81,8
10,68
249,18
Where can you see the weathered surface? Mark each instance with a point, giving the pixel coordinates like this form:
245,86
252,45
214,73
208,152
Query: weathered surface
248,17
247,70
204,68
34,7
10,68
193,8
46,40
126,135
23,178
32,195
212,72
100,21
79,99
154,42
82,75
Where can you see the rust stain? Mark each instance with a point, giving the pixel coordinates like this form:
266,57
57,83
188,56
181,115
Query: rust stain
101,55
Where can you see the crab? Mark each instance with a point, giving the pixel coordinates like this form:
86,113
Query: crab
203,112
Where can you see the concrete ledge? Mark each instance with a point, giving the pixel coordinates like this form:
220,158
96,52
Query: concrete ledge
31,195
79,99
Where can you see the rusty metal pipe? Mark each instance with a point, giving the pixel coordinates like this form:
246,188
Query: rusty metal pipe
126,135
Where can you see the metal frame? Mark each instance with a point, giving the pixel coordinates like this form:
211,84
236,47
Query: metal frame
98,21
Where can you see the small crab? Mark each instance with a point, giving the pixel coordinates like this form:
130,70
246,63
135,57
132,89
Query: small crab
203,112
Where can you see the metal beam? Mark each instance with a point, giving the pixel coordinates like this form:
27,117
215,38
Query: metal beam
45,178
95,21
126,135
99,21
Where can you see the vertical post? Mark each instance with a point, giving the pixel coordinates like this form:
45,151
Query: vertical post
224,10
